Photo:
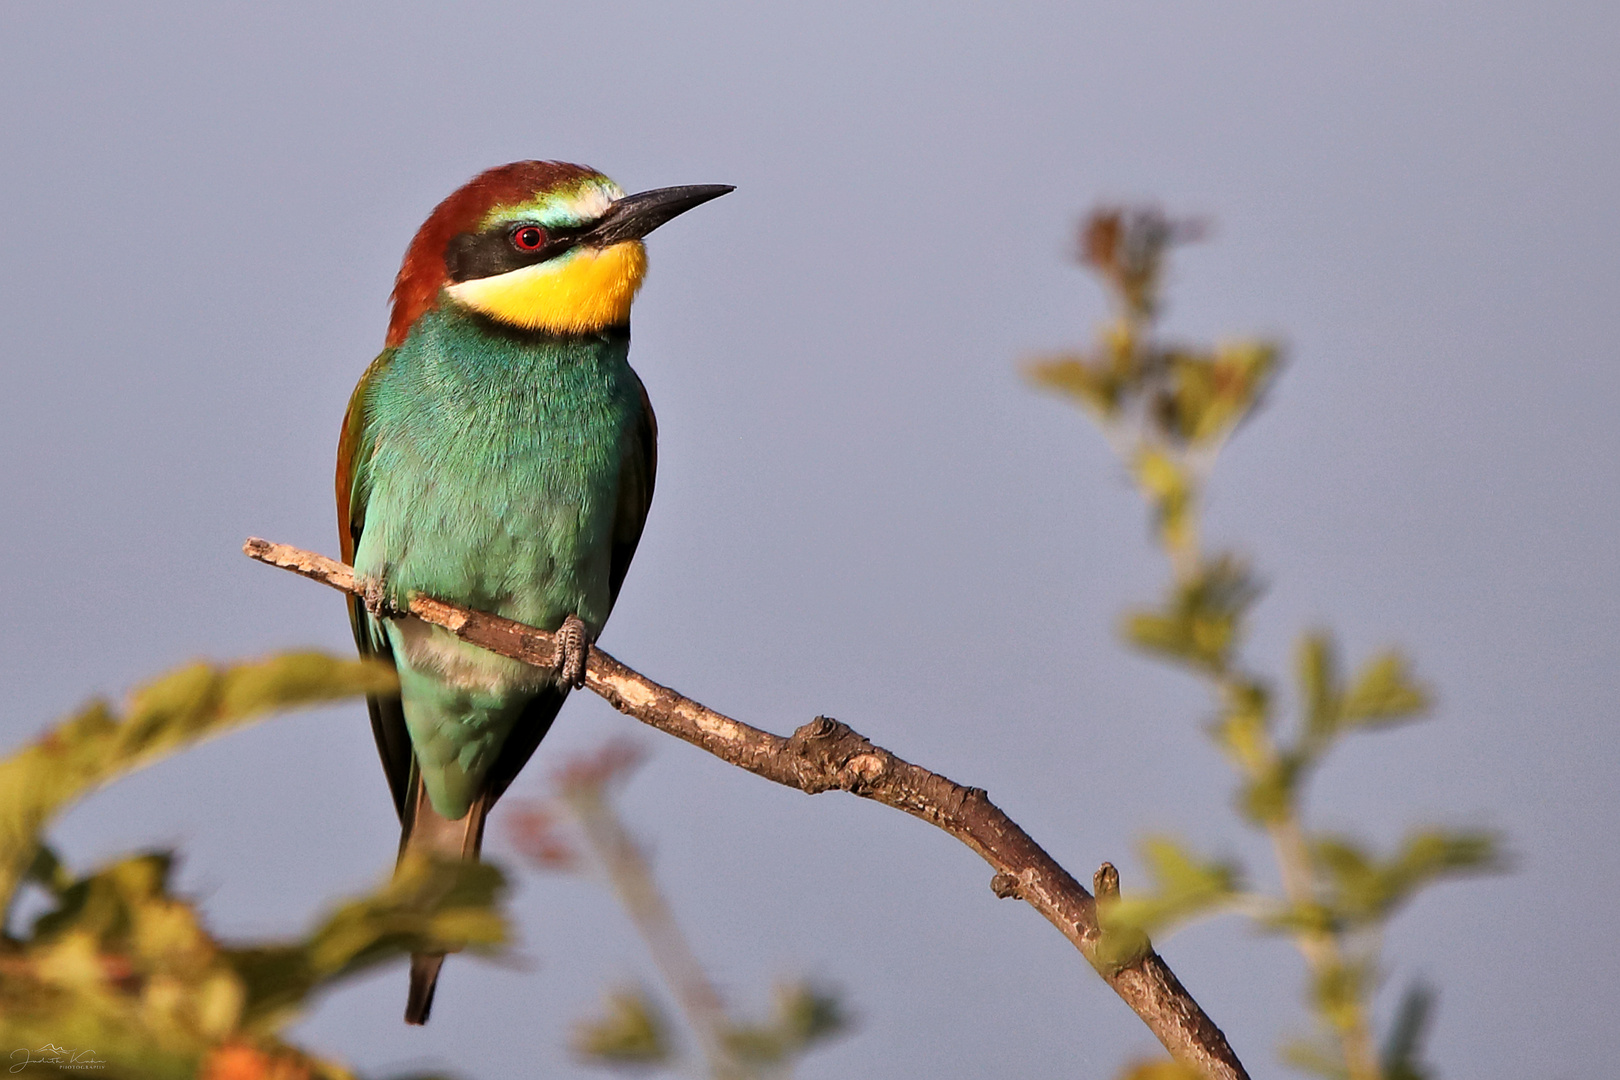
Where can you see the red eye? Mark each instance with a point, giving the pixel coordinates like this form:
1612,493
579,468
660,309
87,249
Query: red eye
529,238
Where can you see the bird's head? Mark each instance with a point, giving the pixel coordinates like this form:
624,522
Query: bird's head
538,245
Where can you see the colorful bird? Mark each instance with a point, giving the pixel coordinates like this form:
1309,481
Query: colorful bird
498,454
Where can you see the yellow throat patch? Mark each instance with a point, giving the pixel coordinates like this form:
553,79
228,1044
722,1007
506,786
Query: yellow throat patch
580,292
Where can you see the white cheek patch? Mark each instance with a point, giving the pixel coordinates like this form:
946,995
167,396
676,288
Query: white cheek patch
593,201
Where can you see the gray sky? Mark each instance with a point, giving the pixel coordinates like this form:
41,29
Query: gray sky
861,510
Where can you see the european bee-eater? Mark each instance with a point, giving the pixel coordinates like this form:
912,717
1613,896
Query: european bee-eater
498,454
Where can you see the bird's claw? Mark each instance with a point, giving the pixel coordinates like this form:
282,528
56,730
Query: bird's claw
375,594
572,651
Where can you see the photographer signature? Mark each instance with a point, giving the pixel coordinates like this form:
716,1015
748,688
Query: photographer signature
51,1054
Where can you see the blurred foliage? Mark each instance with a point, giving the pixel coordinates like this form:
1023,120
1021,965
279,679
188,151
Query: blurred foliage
630,1031
97,745
802,1016
578,830
1184,887
119,973
1161,1069
1167,409
1400,1057
1201,621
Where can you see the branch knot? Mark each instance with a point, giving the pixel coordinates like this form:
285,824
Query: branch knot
830,755
1005,886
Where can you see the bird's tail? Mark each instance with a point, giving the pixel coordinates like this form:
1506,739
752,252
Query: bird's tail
426,832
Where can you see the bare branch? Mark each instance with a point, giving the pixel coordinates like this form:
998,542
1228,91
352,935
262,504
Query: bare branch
825,755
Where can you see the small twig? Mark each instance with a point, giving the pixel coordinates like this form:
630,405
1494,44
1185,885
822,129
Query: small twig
825,755
632,880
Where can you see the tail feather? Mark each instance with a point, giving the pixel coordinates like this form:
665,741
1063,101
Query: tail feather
426,832
424,980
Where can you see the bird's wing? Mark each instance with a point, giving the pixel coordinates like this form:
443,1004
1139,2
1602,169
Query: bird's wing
636,476
353,489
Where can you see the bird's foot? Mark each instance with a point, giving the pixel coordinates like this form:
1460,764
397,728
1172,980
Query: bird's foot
573,649
374,591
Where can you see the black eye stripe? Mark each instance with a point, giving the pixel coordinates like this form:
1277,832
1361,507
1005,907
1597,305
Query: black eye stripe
469,256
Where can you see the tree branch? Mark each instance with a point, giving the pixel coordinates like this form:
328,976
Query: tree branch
825,755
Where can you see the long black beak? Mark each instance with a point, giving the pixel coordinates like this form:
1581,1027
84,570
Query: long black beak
634,216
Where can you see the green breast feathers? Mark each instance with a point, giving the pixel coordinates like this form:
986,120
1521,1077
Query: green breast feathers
503,471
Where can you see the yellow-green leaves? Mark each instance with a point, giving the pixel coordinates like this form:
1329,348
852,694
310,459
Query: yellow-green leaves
1361,889
98,745
1271,790
1338,989
1098,387
1183,398
1175,398
804,1015
1209,393
1162,1069
428,905
1320,696
629,1031
121,964
1168,485
1401,1057
1184,887
1167,410
1382,693
1200,623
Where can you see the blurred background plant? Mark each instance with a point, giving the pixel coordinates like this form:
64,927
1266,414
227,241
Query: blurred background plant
117,975
1167,409
577,829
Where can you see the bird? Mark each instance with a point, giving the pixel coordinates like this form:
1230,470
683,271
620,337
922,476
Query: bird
499,454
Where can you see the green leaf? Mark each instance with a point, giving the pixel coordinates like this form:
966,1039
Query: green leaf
1169,490
1270,795
48,872
1162,1069
1384,693
1403,1047
630,1031
1365,890
122,965
1214,393
808,1014
1337,991
1241,730
1321,698
1305,918
1316,1056
1201,622
1093,386
96,745
429,905
803,1015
